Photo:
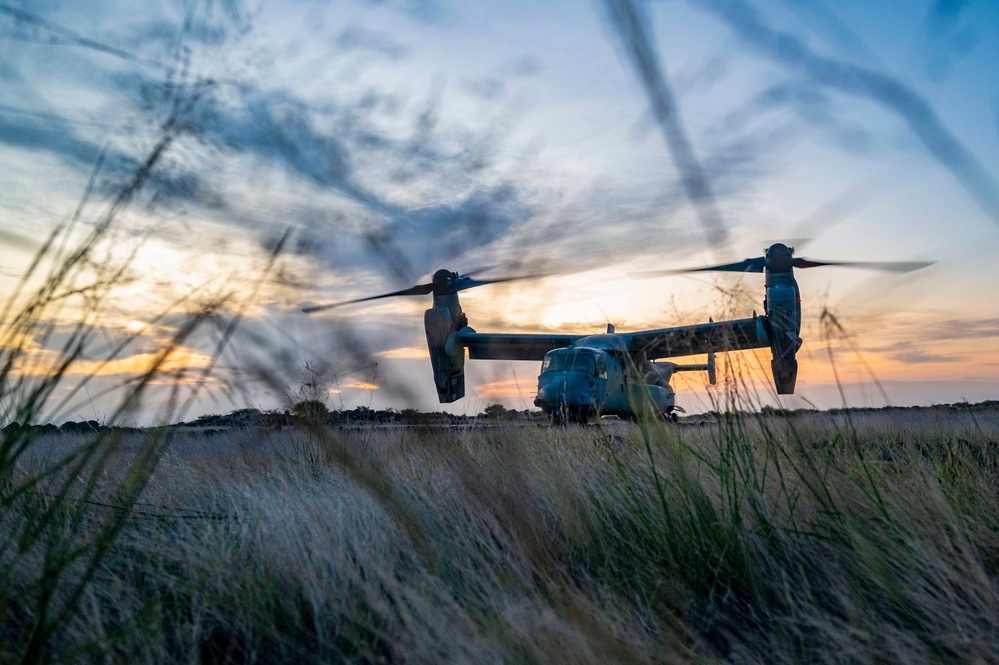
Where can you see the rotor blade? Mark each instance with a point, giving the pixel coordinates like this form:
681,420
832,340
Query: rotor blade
478,269
652,274
418,290
746,265
465,282
891,266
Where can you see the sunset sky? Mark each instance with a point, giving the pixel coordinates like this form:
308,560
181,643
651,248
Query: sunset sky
389,139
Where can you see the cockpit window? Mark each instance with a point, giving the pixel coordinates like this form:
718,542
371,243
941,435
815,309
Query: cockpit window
575,360
554,361
580,361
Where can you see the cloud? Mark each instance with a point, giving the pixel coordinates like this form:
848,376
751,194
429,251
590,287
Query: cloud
357,38
833,31
959,329
178,363
914,110
370,181
355,384
96,342
915,356
38,132
272,347
30,25
403,203
407,353
942,15
80,145
181,363
631,25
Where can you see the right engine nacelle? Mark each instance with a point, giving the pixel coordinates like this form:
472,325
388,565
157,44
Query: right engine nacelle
784,314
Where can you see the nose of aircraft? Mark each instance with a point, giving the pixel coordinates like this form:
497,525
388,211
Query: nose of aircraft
563,389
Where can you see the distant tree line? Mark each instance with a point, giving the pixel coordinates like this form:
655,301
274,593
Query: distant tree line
88,427
315,412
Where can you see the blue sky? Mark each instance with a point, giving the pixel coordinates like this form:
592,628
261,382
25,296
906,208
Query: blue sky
519,136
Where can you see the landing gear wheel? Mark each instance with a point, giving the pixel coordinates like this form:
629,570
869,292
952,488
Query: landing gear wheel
579,415
673,418
570,416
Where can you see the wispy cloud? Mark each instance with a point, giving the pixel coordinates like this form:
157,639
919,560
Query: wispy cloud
914,357
913,109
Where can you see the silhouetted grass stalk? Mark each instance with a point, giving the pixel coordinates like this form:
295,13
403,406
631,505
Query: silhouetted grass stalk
54,548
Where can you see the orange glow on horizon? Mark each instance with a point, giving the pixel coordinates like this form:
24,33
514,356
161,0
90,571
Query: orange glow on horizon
172,365
407,353
354,384
506,389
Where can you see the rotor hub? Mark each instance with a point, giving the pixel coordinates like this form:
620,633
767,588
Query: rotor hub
443,281
779,258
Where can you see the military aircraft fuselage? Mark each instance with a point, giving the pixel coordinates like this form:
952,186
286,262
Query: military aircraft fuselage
595,375
598,374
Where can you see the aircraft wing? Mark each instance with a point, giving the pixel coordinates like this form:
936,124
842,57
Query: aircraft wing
502,346
702,338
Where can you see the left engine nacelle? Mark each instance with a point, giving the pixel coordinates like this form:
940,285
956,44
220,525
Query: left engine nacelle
446,356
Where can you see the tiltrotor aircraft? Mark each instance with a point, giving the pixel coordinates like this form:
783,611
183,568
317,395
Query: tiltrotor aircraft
619,373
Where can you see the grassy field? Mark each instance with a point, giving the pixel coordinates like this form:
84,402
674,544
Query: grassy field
854,537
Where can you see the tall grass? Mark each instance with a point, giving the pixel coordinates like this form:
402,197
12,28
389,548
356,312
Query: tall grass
55,548
751,539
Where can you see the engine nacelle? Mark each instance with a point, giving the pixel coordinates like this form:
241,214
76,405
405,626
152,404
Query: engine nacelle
446,356
784,315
